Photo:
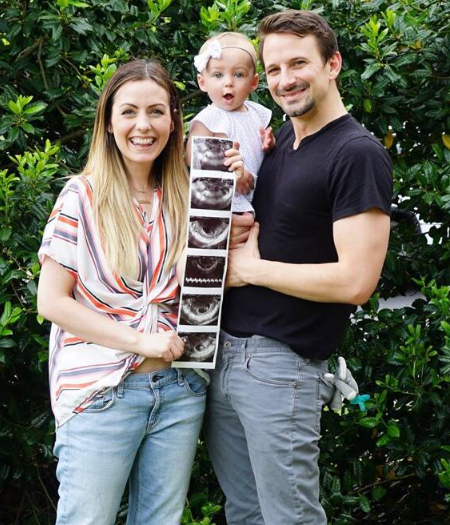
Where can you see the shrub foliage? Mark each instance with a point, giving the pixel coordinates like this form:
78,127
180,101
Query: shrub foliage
390,464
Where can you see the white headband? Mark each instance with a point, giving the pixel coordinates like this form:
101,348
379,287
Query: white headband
214,50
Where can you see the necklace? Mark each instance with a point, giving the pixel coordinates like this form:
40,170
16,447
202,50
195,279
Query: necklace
142,195
142,191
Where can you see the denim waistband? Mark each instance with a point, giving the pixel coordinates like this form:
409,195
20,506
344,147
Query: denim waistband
157,378
255,343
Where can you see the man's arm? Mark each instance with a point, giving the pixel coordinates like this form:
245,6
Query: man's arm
361,243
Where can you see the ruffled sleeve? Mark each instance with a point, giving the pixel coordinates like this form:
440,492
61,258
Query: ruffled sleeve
60,239
264,114
214,118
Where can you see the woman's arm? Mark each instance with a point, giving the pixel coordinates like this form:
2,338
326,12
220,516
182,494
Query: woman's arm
56,303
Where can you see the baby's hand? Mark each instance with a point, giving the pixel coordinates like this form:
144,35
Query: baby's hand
267,138
245,182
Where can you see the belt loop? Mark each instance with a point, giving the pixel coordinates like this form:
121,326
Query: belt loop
120,388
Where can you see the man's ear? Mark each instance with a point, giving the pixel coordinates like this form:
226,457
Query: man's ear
335,65
255,81
201,83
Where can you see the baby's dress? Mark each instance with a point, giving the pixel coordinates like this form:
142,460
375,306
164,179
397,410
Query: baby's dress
242,126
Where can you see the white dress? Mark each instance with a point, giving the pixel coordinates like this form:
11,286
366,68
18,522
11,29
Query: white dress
242,126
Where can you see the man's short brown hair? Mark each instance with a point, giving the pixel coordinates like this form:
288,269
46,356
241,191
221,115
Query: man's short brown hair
299,23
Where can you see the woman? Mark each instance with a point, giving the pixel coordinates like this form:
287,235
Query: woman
108,285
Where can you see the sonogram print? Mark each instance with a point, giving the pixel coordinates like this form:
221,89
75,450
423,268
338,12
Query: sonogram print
209,153
199,346
204,271
200,310
208,232
208,229
209,193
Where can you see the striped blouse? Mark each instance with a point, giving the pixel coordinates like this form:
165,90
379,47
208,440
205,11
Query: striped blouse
78,369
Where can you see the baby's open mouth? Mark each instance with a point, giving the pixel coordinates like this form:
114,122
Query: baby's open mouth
228,96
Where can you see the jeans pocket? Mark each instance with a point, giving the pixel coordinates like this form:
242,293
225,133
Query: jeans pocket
102,401
195,384
274,368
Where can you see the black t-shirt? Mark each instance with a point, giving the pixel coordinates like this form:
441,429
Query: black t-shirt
339,171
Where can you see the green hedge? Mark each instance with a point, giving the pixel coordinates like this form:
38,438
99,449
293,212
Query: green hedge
389,465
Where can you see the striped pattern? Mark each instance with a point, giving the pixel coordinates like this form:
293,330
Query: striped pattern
78,369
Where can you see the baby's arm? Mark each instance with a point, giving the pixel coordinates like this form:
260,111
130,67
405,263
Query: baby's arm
245,183
199,130
267,138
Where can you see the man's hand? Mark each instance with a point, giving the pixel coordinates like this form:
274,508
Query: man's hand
240,229
242,259
267,138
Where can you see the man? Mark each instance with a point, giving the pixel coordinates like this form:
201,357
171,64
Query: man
322,203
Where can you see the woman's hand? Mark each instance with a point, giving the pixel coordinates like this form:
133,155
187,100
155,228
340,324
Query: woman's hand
165,345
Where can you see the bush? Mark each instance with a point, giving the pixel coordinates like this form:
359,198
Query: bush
389,465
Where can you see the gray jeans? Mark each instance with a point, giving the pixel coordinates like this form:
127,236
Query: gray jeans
262,429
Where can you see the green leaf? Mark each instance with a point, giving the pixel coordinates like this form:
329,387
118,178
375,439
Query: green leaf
378,493
34,108
13,134
5,234
368,422
5,342
77,3
371,70
364,503
14,108
393,430
6,315
27,127
383,440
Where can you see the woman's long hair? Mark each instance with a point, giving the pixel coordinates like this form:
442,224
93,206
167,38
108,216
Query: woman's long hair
114,210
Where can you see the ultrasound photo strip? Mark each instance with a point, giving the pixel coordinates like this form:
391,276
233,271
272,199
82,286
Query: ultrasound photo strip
211,191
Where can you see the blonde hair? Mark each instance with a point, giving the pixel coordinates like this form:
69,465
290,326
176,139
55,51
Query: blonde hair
114,210
234,40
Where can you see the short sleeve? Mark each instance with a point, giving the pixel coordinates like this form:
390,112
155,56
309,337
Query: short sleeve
214,118
264,114
361,179
60,238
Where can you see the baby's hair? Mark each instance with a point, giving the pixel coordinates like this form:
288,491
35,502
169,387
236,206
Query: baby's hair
232,40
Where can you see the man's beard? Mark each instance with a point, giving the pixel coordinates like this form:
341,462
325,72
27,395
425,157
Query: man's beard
298,112
305,105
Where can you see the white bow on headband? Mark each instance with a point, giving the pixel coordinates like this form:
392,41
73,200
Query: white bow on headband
214,51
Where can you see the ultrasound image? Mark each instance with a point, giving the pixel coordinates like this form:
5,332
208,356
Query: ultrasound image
208,232
200,310
209,153
204,271
199,346
210,193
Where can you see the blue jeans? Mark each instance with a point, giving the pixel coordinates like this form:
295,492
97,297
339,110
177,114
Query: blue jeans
146,431
262,429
